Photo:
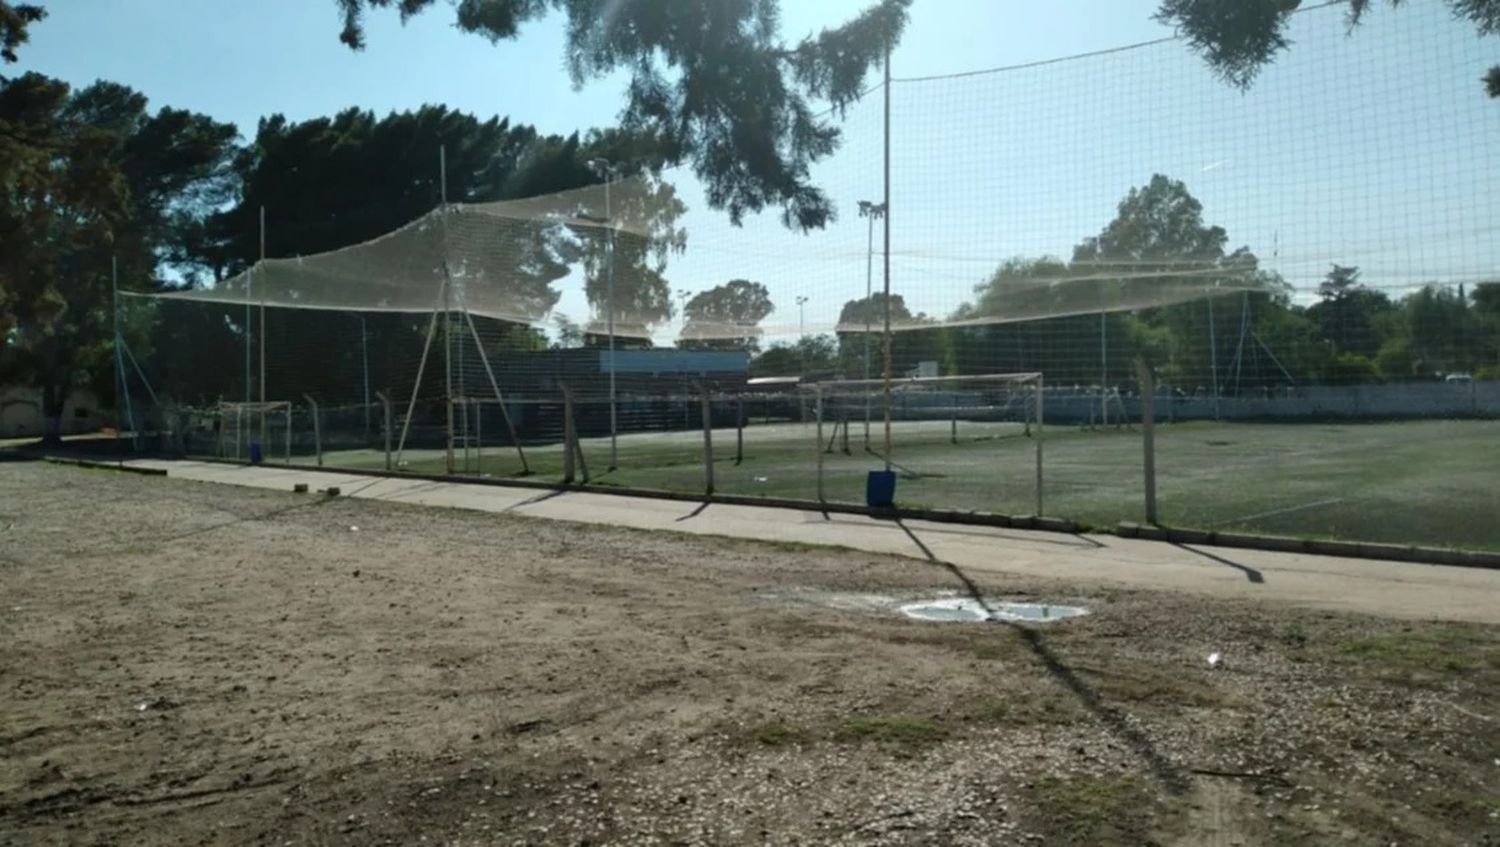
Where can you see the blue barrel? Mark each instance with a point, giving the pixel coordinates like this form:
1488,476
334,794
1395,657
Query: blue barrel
880,489
255,455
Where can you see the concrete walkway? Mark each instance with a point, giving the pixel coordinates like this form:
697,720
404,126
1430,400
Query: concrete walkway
1387,589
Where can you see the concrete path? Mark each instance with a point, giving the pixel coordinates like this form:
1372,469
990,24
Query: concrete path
1387,589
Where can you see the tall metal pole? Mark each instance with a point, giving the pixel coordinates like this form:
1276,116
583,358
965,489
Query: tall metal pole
263,332
364,355
609,177
249,284
122,403
886,201
869,318
1213,355
1103,369
1148,436
802,332
447,313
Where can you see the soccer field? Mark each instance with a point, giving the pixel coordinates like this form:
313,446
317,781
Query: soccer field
1419,482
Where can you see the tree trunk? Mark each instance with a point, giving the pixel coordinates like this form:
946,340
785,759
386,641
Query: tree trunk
54,398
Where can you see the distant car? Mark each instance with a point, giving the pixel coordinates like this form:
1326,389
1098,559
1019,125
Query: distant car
1458,377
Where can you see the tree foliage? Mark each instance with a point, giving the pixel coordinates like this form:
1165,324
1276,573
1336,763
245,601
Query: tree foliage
90,177
713,82
1239,37
15,22
739,303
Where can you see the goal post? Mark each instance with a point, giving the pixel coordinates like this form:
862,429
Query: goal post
240,423
939,424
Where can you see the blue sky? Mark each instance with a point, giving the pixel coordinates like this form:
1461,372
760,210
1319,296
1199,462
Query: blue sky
1374,150
238,61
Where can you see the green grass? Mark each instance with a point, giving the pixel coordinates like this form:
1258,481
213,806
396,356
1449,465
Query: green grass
778,734
1426,483
1090,810
894,730
1429,656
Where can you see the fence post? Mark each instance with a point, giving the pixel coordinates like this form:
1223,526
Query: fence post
288,456
739,429
385,402
708,441
1040,433
567,435
818,405
317,429
1148,435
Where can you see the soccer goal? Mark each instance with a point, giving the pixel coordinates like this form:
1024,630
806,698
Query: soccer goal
242,425
939,427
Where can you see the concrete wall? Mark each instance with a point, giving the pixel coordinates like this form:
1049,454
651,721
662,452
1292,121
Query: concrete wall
21,413
1396,400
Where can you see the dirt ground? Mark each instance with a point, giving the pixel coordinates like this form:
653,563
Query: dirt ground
190,663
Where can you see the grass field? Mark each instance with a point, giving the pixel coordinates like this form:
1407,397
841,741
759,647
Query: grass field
1430,483
212,664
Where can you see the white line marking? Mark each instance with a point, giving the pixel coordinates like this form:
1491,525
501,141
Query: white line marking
1259,515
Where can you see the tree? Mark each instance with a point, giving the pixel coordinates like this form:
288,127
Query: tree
1443,329
313,179
727,316
713,81
90,176
15,21
1239,37
1159,249
911,342
1349,314
812,354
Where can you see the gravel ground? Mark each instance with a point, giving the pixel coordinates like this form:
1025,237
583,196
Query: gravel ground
190,663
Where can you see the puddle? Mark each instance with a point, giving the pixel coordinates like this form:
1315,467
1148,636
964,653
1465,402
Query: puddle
969,610
949,609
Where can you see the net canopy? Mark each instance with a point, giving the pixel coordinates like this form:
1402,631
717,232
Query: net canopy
509,260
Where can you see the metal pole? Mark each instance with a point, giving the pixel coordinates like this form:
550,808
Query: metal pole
263,409
495,386
416,387
364,355
1213,356
287,456
567,435
447,315
114,285
317,429
249,284
1103,370
1040,427
708,441
739,429
610,297
1148,437
385,403
869,318
818,405
886,202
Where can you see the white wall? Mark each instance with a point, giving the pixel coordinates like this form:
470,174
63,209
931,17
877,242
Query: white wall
21,413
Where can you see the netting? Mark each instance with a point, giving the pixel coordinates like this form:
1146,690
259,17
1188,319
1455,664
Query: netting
1308,268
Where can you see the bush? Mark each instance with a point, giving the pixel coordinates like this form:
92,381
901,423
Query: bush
1352,368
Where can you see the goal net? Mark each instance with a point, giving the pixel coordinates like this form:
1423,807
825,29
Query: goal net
243,429
983,430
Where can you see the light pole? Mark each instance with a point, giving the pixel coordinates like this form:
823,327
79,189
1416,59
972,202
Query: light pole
802,331
609,171
873,211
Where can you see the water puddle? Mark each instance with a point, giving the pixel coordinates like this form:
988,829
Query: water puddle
969,610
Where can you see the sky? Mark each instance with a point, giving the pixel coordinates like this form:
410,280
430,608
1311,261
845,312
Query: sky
1371,149
239,61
